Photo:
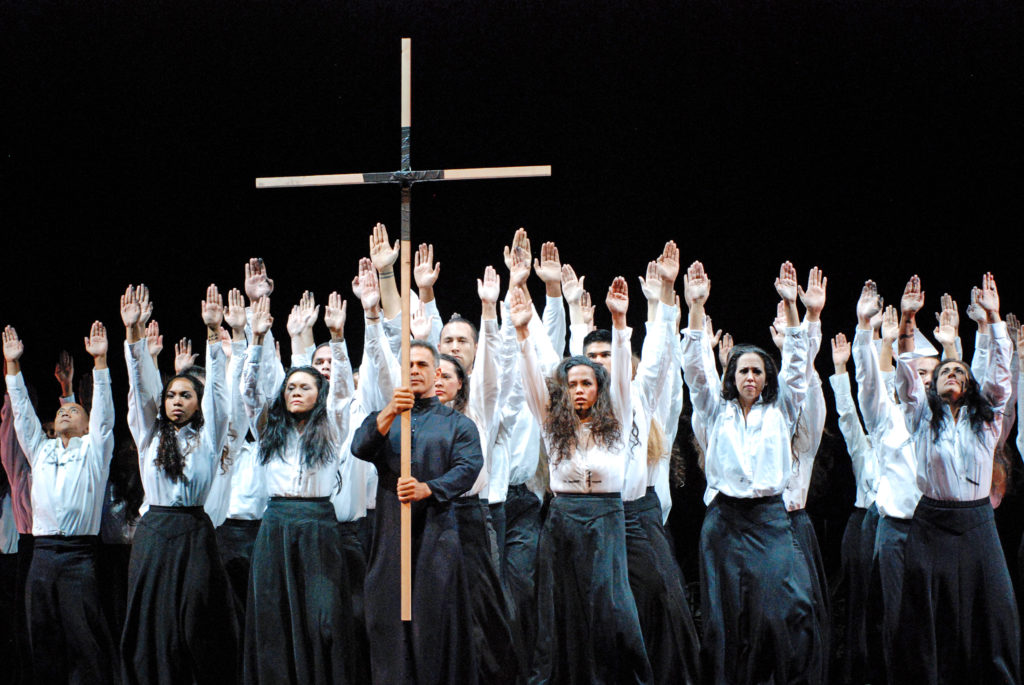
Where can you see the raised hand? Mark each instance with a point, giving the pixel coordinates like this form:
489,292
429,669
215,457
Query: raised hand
709,330
13,347
521,241
948,304
913,297
424,271
261,319
145,305
183,357
235,314
257,283
1019,338
840,353
520,313
225,342
724,349
96,343
988,299
974,311
419,323
382,253
549,269
369,290
778,327
572,288
651,285
813,297
154,340
890,326
520,268
1012,327
785,284
65,373
334,316
489,288
696,286
945,332
213,312
130,309
869,305
587,310
617,301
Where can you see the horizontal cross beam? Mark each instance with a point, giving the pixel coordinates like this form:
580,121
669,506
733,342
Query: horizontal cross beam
404,177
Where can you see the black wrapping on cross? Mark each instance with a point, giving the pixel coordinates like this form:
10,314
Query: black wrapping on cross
406,147
404,177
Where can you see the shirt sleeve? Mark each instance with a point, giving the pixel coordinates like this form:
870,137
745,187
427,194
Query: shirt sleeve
340,394
239,425
871,390
979,360
251,392
554,322
101,420
997,386
535,389
216,401
911,393
26,423
793,374
467,460
700,375
436,324
577,332
653,374
483,386
622,376
368,444
142,410
849,425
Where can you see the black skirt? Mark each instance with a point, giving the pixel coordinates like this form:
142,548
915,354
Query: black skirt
493,636
670,637
958,618
180,624
759,617
519,538
588,630
298,618
803,531
849,639
355,563
885,589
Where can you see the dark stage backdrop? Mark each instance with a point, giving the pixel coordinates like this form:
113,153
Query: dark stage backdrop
874,139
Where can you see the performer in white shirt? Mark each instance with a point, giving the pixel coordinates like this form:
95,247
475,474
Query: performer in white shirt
588,627
759,616
298,621
69,637
180,624
958,617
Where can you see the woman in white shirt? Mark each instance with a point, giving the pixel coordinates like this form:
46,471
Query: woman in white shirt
298,619
588,629
759,617
180,624
958,617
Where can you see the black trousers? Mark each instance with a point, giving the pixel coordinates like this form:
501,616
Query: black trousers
112,564
522,526
355,565
9,601
25,548
885,589
759,614
68,632
235,540
180,625
807,539
588,630
958,619
493,636
849,636
298,617
670,637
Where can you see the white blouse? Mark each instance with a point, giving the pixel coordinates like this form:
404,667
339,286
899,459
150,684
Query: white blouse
862,454
957,464
201,448
593,468
746,456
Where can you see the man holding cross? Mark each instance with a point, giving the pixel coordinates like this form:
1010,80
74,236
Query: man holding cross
436,646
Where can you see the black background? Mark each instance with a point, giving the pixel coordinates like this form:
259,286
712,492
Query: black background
874,139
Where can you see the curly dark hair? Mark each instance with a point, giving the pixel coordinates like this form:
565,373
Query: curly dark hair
563,424
771,374
169,458
974,401
316,436
461,398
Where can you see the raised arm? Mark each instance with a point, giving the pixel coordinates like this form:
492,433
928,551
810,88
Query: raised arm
946,332
535,388
910,304
143,393
342,387
484,390
909,387
698,360
65,374
101,419
216,401
572,290
253,396
549,269
793,374
617,302
849,424
384,255
996,385
26,423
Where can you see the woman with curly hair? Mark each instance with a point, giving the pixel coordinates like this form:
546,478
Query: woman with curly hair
958,617
759,617
588,629
180,624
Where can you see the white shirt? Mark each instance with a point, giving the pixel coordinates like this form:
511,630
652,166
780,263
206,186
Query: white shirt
286,474
201,448
484,396
862,454
810,427
667,414
897,493
746,457
957,464
68,483
593,468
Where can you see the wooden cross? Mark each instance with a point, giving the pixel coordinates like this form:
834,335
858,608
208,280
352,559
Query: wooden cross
405,177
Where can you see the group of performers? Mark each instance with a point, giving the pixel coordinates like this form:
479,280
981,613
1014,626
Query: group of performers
266,547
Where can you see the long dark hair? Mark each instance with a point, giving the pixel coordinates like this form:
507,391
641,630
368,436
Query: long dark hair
168,457
562,424
316,436
974,402
771,374
461,398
